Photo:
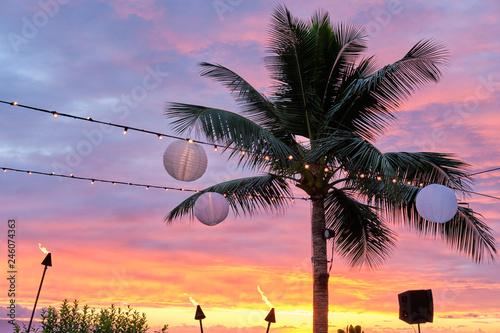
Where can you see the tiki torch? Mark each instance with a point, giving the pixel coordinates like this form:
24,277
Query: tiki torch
46,262
199,316
271,318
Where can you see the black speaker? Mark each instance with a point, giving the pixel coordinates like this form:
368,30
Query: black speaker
416,306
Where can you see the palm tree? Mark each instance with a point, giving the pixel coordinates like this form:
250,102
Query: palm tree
325,93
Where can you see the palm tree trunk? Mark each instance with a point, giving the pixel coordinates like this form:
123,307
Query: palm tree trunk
320,270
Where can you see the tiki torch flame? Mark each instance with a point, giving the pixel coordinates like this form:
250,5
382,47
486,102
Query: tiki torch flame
192,300
44,250
264,298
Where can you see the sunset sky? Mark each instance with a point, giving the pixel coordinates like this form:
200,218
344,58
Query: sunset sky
121,62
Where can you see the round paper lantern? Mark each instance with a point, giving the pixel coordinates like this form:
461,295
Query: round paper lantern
211,208
185,161
437,203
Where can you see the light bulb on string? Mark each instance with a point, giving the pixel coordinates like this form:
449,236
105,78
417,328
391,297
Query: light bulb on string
54,114
15,103
125,131
160,136
215,148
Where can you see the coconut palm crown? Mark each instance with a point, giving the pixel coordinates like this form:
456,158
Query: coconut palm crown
327,94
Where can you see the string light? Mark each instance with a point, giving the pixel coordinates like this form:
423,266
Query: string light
160,137
266,157
125,131
93,180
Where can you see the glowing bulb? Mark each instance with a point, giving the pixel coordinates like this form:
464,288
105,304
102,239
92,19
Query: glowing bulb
290,157
88,118
114,183
326,169
92,182
53,173
266,158
409,183
166,189
29,172
4,170
362,175
215,148
225,195
243,152
394,180
125,131
306,166
54,114
160,137
190,141
379,178
147,187
15,103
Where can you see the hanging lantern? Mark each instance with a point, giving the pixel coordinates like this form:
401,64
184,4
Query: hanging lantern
437,203
211,208
186,161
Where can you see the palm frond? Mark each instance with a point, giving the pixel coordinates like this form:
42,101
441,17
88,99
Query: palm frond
466,233
293,67
245,196
255,105
360,234
232,130
366,103
347,44
359,156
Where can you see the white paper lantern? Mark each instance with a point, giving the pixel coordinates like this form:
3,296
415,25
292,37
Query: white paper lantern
211,208
185,161
437,203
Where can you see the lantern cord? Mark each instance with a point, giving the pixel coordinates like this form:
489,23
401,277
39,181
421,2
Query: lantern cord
127,128
114,182
484,171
